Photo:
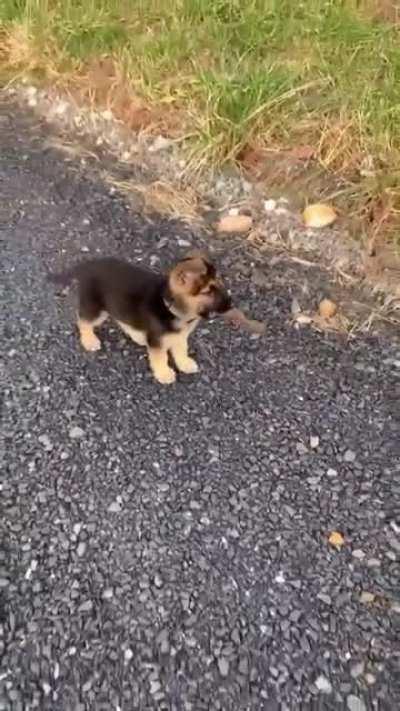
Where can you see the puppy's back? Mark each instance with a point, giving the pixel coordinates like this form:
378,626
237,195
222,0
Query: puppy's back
110,274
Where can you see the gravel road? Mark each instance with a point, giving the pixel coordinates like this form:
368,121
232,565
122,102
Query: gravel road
167,548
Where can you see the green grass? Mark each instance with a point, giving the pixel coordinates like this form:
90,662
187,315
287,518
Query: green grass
276,72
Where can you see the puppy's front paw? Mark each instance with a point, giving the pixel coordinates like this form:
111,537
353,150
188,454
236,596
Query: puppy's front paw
188,366
166,376
90,343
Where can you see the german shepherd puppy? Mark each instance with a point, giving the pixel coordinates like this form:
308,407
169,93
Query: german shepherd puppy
156,311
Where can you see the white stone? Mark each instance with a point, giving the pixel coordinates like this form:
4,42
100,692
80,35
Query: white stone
323,684
76,432
160,144
60,108
354,703
269,205
81,550
223,666
128,654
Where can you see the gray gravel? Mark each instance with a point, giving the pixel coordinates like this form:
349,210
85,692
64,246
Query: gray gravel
167,548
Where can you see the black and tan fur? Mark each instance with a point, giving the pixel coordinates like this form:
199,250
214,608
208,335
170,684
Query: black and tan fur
156,311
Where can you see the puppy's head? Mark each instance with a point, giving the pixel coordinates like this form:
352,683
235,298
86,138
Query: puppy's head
195,287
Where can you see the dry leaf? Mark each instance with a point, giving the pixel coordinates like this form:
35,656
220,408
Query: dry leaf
336,539
234,223
327,308
319,215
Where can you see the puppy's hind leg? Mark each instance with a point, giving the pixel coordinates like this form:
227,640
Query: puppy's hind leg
91,314
89,340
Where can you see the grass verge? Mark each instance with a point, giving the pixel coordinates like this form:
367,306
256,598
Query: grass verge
321,76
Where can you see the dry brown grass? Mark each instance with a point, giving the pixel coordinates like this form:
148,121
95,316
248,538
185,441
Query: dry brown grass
383,10
22,55
175,201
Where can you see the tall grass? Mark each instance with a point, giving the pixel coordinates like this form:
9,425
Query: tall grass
275,72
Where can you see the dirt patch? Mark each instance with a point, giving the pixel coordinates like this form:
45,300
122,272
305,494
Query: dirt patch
385,11
101,85
294,174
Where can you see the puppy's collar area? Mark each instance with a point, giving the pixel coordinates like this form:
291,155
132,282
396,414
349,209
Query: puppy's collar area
177,313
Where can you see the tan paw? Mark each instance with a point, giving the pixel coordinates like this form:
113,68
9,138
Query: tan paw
188,366
90,343
166,376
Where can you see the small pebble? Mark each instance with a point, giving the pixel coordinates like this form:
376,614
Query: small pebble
114,507
155,687
323,684
76,432
324,598
158,581
370,679
269,205
373,563
367,597
354,703
85,606
301,448
45,441
394,543
160,144
46,688
128,654
358,553
357,670
81,549
223,666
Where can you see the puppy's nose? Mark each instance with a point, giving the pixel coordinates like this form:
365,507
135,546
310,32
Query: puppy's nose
225,302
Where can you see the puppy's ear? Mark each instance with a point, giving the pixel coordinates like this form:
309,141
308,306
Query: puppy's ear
188,274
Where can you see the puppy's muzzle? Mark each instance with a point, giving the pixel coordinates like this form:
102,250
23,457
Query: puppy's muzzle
222,301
